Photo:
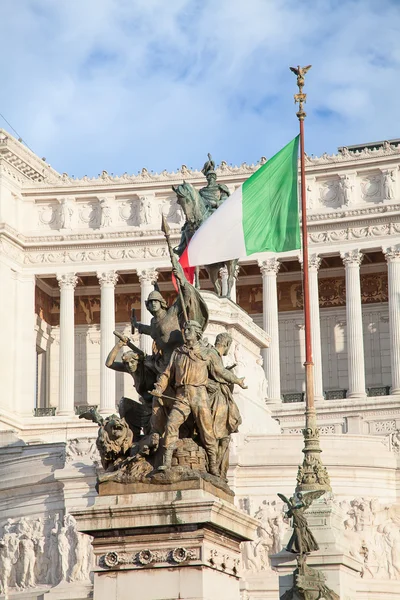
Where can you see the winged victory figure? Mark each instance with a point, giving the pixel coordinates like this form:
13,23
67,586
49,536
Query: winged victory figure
300,72
302,540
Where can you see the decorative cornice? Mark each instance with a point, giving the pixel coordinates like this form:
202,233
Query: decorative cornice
356,212
332,234
24,161
346,156
223,170
35,170
95,255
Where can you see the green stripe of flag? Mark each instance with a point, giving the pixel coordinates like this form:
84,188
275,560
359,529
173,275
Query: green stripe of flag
270,204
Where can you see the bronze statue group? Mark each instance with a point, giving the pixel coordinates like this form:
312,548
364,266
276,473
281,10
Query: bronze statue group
184,387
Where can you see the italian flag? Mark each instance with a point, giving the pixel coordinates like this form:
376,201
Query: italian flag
262,215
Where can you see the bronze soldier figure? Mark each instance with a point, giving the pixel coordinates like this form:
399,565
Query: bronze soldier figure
166,325
214,193
188,373
224,410
140,367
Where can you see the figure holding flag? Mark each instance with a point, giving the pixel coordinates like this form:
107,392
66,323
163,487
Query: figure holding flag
167,321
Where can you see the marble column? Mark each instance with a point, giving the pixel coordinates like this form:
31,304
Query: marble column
147,278
355,341
392,255
269,269
108,280
313,265
24,341
67,283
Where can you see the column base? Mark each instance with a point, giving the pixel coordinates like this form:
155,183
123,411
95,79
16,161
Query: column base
269,401
358,395
167,544
395,391
65,413
108,411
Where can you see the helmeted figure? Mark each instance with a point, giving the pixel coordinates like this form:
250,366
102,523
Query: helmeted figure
198,206
166,330
188,372
166,325
214,193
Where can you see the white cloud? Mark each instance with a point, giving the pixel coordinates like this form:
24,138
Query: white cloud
119,84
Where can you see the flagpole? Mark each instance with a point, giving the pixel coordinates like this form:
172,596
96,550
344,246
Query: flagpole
312,475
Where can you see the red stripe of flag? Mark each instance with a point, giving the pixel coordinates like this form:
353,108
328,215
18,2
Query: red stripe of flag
187,269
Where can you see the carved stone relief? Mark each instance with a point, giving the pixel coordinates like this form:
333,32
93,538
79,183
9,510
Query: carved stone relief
128,211
372,531
106,212
48,216
145,557
270,533
371,188
146,210
90,214
82,450
388,184
173,211
346,190
66,213
42,551
330,193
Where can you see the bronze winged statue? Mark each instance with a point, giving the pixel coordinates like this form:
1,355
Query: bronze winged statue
300,72
302,540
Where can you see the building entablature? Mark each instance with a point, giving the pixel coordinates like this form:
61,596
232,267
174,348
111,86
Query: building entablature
54,220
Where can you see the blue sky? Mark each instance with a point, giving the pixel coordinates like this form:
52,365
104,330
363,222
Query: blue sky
125,84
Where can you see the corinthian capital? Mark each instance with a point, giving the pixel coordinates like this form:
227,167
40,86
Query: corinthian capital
147,275
314,261
392,254
352,258
67,280
270,265
108,278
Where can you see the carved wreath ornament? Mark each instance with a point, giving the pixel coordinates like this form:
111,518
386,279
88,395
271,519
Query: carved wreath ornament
111,559
180,555
147,557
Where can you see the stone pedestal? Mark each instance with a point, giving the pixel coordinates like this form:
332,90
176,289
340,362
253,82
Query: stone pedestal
166,544
341,570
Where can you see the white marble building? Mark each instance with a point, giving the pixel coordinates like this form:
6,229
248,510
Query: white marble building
77,254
